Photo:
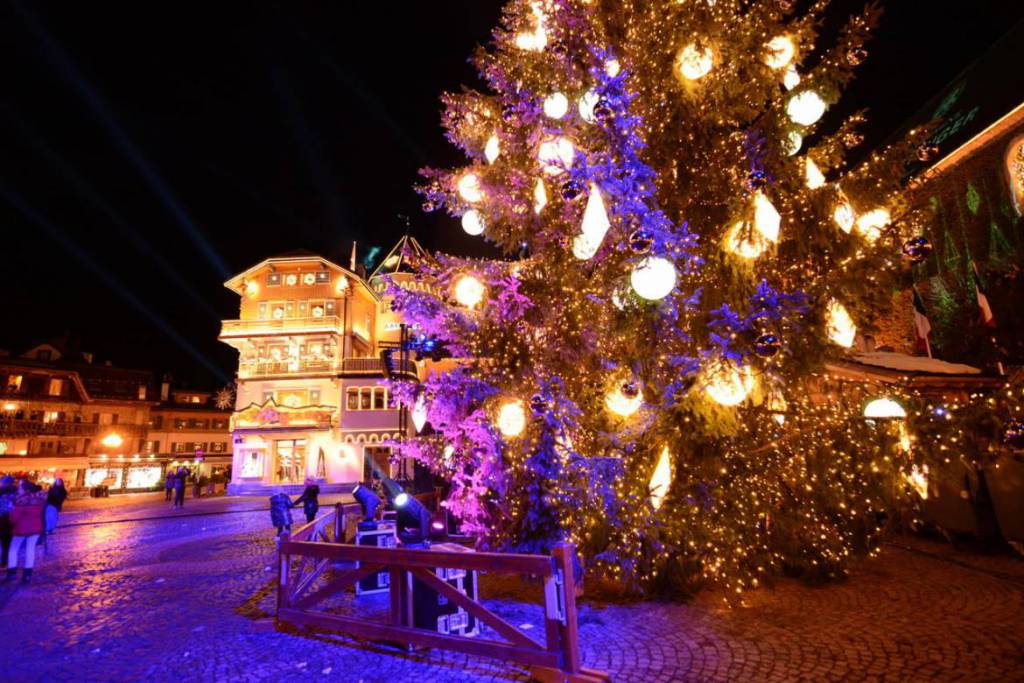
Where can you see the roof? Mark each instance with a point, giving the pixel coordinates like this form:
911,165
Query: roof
400,257
979,100
296,255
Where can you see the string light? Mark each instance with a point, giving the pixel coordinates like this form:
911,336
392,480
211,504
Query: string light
492,149
661,478
540,196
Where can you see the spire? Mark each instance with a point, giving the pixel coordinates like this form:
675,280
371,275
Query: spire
352,261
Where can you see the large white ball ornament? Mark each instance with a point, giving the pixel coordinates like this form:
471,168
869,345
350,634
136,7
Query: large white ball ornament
694,62
469,291
469,188
556,105
780,52
653,278
512,418
556,155
473,222
805,108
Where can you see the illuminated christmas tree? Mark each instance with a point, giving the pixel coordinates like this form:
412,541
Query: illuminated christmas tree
685,246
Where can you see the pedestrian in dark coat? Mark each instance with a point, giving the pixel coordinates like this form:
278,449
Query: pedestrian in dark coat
8,491
55,498
169,486
281,512
27,525
179,487
309,499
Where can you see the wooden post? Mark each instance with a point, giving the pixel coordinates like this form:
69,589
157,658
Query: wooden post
565,556
283,573
339,523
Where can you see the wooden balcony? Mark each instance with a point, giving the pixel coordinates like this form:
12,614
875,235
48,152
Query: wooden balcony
231,329
30,428
365,367
250,369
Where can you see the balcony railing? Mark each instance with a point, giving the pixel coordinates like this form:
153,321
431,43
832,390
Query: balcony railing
244,328
268,368
25,428
374,366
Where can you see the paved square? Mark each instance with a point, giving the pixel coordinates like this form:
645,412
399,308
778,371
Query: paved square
177,598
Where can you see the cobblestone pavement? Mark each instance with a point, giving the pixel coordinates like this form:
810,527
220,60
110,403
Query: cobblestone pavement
181,598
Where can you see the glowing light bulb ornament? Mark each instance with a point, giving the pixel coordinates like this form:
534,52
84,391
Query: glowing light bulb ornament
743,242
813,175
653,278
540,196
884,408
661,478
623,402
839,325
844,216
766,218
473,222
492,149
594,227
791,78
792,143
469,188
871,224
780,52
469,291
512,418
728,384
586,106
419,413
694,63
805,108
556,155
556,105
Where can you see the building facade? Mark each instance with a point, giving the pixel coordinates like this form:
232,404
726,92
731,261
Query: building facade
192,429
312,400
64,416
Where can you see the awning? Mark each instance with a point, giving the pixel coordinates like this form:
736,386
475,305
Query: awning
28,463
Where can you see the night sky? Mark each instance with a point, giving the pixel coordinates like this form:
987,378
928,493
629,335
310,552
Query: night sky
151,150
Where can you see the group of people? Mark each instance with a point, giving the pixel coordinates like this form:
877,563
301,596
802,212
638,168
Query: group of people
175,486
27,512
281,506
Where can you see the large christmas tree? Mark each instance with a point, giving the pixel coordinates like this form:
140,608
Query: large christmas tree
685,245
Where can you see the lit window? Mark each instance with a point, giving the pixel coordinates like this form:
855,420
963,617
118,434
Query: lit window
273,279
364,399
142,392
194,399
56,386
380,398
352,399
13,383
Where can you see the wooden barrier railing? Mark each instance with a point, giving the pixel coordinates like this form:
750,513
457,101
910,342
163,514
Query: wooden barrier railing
305,555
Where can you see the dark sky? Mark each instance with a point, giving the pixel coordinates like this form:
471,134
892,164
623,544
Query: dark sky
150,150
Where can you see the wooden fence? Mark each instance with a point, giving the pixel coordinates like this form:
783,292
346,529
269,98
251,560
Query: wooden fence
309,551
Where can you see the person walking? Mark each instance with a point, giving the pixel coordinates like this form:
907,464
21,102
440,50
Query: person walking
55,498
281,512
179,487
169,486
27,525
309,499
8,492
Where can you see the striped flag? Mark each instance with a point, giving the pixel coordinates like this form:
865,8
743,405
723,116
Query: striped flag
921,322
986,310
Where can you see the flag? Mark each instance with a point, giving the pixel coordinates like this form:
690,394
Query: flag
986,310
921,322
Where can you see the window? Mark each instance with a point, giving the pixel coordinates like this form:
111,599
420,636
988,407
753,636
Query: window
314,397
13,383
218,447
180,423
380,401
152,447
195,399
219,423
156,422
261,310
46,447
44,355
252,464
56,386
352,399
273,279
323,277
196,423
364,399
290,460
142,392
